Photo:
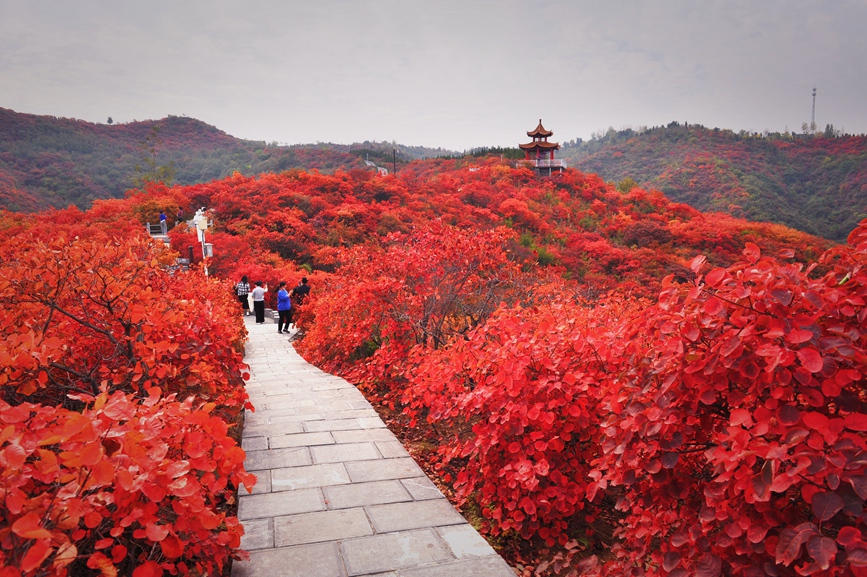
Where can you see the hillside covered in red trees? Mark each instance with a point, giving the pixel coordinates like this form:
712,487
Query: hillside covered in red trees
817,184
56,162
605,381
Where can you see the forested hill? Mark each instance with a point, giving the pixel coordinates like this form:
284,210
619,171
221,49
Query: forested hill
54,162
814,184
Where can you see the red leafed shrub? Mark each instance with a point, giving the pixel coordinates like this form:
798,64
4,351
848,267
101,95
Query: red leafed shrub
737,428
421,289
522,392
728,420
118,386
118,484
86,314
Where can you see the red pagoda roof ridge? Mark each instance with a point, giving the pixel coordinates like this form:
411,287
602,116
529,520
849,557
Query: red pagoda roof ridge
540,131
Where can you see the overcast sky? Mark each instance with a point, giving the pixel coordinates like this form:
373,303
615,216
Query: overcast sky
442,73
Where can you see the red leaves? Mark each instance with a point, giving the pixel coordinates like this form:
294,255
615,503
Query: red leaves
13,456
156,532
822,550
725,416
528,407
715,277
752,253
119,408
791,540
671,560
798,336
90,454
763,481
104,564
695,266
788,415
713,306
30,527
777,462
172,547
810,359
856,422
741,417
37,552
148,569
826,505
529,506
757,532
121,504
782,296
709,565
86,455
816,421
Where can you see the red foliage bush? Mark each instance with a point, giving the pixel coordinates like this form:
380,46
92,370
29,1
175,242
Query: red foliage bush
727,420
118,385
737,430
521,390
421,289
124,482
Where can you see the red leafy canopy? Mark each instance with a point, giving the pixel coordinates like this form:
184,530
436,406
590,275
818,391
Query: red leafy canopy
114,411
729,415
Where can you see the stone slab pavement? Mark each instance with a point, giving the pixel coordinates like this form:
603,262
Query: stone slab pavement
337,495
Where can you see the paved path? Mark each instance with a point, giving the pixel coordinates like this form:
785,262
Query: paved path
338,496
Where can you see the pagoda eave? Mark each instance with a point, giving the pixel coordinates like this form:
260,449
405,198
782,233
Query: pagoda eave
540,144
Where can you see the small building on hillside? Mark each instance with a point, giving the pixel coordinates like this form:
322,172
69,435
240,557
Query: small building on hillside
541,152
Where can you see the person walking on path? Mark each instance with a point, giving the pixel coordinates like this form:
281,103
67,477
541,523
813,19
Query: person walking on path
259,302
242,290
299,293
284,309
163,223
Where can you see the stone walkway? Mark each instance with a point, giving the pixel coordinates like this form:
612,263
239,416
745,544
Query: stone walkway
338,496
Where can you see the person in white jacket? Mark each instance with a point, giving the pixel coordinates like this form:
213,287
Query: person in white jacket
259,302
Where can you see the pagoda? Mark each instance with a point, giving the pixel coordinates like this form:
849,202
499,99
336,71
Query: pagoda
541,152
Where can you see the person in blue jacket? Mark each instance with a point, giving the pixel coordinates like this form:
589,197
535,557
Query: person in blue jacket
284,307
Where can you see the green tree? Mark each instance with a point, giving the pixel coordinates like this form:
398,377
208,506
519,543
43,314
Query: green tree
626,184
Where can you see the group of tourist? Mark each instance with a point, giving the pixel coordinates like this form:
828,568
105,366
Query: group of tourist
285,308
164,220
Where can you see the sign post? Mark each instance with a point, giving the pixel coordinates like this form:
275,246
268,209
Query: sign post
201,221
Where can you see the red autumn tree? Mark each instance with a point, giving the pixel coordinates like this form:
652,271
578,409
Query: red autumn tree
118,386
421,289
737,430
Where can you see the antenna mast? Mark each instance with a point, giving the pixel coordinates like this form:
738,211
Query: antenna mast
813,116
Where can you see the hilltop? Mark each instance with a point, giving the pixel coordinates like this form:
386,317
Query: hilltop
47,161
814,184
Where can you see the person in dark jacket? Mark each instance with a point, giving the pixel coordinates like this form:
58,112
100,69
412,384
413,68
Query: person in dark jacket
299,293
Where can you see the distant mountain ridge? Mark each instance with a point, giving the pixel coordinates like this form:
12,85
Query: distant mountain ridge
47,161
816,184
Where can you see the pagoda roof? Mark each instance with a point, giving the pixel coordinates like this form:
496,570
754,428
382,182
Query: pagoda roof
543,144
540,131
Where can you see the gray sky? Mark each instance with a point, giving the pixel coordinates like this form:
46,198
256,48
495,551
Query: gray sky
443,73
